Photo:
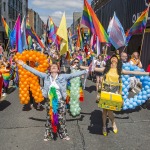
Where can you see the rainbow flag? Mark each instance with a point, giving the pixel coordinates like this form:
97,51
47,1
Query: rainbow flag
19,46
138,26
29,41
52,31
32,33
90,20
7,29
79,39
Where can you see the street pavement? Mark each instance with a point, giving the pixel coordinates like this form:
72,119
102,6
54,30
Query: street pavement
23,129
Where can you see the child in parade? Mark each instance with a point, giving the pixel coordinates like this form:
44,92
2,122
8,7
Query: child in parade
55,90
112,72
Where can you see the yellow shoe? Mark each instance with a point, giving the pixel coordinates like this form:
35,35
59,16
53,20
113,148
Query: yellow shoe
115,131
104,131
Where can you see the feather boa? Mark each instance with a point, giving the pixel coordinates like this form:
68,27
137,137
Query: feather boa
53,112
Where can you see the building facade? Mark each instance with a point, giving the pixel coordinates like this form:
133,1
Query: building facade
10,9
36,22
96,4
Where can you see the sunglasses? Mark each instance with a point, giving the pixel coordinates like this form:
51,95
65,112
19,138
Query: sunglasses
76,62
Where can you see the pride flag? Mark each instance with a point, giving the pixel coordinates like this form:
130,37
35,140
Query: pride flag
52,31
32,33
19,46
7,29
116,33
90,20
138,26
79,39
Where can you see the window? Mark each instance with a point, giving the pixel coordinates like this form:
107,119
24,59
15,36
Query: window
4,6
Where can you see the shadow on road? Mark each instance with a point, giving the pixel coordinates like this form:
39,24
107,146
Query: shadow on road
10,90
137,109
4,104
90,89
96,122
37,119
76,119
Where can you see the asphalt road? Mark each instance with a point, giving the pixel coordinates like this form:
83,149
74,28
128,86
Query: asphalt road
23,129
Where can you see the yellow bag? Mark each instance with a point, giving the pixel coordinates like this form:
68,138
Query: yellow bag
109,100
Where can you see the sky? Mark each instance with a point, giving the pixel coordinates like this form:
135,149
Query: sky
55,9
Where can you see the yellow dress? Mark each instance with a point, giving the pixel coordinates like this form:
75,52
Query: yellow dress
110,98
112,75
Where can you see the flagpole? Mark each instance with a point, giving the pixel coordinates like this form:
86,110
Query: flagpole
144,32
7,45
124,48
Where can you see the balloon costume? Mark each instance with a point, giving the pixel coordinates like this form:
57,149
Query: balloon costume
143,95
74,94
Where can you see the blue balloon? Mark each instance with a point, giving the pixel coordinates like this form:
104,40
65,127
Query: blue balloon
124,107
139,97
127,104
124,97
130,106
123,79
144,97
126,76
125,90
126,82
134,104
139,102
144,92
148,95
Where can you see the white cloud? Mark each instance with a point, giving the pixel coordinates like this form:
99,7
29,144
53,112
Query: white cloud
58,4
55,9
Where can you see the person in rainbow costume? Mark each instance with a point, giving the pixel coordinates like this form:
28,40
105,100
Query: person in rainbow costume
113,74
55,91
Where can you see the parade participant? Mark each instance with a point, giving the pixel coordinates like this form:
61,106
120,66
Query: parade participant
112,73
83,57
117,53
1,51
135,60
148,67
124,57
6,77
55,89
100,63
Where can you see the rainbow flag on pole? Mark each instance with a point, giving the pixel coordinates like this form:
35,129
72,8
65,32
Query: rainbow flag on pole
18,35
7,29
52,31
138,26
90,20
32,33
79,39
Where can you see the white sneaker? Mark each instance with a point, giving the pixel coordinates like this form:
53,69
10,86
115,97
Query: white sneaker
67,138
38,106
4,94
31,106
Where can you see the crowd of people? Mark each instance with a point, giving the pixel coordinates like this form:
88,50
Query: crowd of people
74,66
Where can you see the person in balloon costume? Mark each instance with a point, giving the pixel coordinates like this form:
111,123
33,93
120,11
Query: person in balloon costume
55,90
74,90
114,71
